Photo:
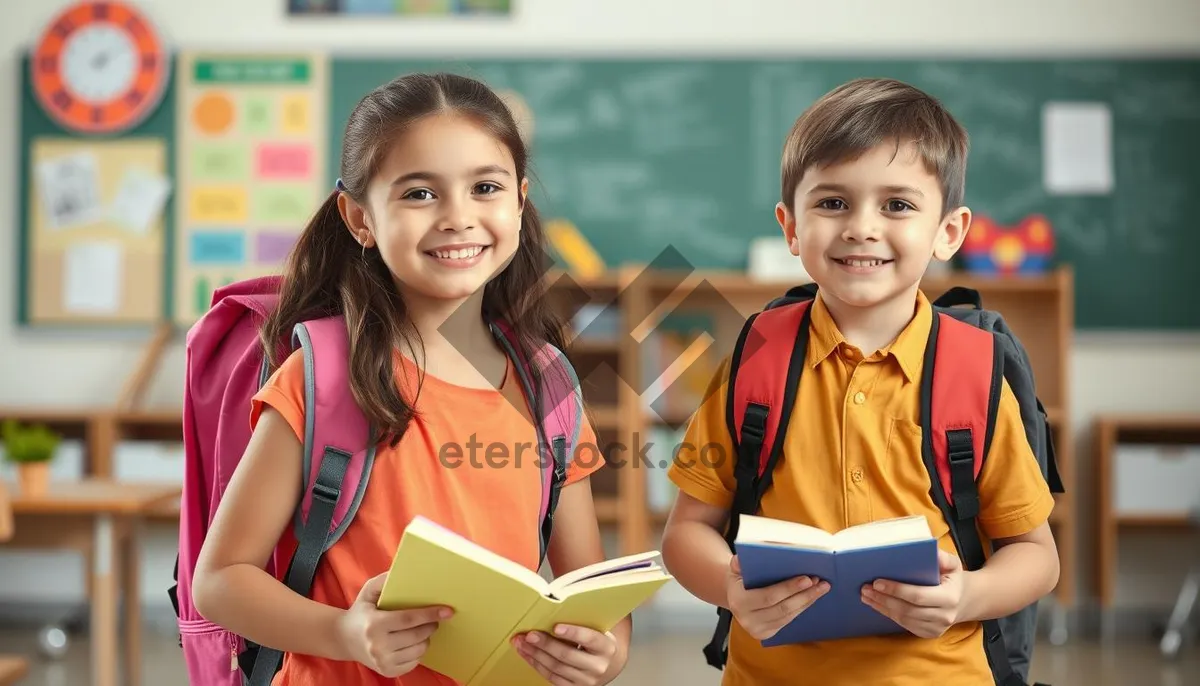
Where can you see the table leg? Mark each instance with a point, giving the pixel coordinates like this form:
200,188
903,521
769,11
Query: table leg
132,602
103,627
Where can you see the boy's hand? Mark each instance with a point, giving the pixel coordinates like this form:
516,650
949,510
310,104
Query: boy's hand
578,656
926,611
764,611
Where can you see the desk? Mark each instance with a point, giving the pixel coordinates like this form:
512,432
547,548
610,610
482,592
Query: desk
12,670
103,519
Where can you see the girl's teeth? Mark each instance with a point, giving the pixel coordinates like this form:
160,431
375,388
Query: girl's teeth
460,254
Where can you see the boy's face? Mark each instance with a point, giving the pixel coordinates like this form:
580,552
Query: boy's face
866,229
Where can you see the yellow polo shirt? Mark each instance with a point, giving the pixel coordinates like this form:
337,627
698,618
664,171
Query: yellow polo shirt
853,455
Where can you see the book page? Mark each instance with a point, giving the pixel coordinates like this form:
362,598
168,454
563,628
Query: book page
883,532
755,529
604,568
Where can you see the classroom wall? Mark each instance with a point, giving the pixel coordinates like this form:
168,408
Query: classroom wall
1109,373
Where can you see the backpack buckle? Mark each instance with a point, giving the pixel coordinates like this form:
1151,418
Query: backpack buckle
325,493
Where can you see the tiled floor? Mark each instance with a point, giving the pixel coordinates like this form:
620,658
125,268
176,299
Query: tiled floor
674,659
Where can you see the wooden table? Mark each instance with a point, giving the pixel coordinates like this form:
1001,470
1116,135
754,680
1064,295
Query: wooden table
103,519
12,670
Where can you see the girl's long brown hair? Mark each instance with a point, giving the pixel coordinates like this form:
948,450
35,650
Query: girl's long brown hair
327,273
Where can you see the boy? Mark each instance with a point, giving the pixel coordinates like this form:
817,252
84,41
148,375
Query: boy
873,177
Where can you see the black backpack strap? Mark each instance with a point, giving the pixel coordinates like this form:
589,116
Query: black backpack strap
961,510
310,546
750,483
959,295
557,479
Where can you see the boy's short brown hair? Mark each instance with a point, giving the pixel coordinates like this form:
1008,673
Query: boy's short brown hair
858,115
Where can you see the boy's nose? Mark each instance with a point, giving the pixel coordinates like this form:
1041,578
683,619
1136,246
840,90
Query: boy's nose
860,228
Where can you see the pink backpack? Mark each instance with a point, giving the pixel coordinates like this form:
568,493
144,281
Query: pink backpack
225,367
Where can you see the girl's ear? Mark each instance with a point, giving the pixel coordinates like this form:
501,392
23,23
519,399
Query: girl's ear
524,195
357,220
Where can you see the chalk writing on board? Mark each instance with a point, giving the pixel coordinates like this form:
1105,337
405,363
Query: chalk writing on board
692,224
779,94
604,110
1158,101
1012,149
1088,74
1144,219
1088,236
976,90
604,189
665,116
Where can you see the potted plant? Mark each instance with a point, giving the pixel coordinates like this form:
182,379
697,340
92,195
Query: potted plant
31,448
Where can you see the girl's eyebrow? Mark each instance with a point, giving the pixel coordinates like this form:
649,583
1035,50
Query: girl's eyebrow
431,176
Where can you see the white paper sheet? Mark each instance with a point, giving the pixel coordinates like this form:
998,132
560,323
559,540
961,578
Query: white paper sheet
92,276
70,190
139,199
1077,148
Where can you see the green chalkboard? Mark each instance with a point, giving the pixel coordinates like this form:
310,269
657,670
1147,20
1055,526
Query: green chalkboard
649,153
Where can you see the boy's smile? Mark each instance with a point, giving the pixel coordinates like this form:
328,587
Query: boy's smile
867,228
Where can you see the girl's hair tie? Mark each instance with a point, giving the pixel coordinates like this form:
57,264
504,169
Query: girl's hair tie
340,186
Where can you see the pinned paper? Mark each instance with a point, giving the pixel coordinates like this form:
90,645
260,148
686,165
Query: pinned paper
92,274
1077,155
70,189
139,200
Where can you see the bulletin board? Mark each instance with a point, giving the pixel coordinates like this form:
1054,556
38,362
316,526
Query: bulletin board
93,220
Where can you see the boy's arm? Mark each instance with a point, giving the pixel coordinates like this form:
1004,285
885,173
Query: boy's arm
1022,570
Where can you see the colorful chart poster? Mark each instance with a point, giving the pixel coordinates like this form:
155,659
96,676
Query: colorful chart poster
250,167
399,7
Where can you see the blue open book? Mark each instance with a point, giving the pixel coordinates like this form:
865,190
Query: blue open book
901,549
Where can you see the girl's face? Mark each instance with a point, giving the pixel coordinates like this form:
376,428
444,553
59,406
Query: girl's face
444,209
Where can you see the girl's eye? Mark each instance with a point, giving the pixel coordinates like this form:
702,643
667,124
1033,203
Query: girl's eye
487,188
419,194
832,204
898,206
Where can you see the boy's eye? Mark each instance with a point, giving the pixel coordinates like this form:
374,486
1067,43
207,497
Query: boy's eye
832,204
898,206
419,194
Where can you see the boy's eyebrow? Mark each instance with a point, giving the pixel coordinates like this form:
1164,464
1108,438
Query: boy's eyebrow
837,188
431,176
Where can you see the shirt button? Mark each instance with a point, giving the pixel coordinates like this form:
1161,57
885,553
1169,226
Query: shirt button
856,475
860,398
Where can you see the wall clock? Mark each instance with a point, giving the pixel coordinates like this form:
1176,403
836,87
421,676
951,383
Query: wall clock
100,67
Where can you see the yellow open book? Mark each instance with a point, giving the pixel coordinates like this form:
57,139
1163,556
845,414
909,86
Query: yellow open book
495,598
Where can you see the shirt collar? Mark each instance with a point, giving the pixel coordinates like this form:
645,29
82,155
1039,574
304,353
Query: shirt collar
908,349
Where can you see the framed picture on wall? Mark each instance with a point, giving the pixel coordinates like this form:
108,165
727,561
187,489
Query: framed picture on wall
399,8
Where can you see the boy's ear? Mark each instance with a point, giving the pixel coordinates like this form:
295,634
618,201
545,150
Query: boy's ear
952,233
357,219
787,222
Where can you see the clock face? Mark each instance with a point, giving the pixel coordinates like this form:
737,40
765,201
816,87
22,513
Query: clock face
99,68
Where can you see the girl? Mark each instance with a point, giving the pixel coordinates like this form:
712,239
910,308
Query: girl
429,233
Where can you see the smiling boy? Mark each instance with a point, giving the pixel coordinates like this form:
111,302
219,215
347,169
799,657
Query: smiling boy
872,191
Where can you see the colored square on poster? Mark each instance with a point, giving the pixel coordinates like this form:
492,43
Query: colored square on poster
273,247
287,205
217,205
217,247
284,161
435,7
219,161
296,115
258,115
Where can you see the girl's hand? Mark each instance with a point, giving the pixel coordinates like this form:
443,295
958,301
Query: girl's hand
576,657
389,642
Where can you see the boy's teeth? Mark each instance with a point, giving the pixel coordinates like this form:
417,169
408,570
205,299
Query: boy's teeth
863,263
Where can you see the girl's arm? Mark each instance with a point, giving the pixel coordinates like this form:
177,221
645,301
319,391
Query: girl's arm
576,543
230,586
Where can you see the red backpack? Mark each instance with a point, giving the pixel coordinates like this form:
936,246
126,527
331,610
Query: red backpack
968,352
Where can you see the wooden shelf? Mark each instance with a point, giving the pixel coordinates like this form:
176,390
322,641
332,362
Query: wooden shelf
1110,431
